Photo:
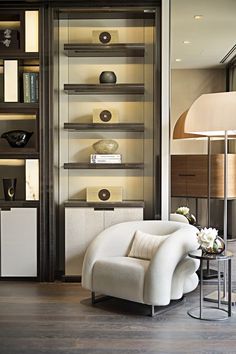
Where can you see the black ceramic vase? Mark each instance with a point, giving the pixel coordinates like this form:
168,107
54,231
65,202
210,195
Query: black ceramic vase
9,188
107,77
17,138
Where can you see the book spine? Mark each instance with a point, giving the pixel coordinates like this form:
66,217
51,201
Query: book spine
37,86
99,160
32,87
106,155
104,160
1,88
26,87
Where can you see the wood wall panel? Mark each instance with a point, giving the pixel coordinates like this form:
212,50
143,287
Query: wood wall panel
189,176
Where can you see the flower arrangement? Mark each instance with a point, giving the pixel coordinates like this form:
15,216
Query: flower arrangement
185,211
209,241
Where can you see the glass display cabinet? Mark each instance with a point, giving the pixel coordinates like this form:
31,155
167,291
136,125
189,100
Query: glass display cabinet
107,88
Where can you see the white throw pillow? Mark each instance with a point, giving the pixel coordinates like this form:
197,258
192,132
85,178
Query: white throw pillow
144,245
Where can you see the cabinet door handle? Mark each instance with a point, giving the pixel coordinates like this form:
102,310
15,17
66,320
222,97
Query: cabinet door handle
106,209
187,175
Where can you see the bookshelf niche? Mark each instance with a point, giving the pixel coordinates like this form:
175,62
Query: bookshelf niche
19,142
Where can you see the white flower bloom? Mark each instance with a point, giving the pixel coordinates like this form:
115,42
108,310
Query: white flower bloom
206,237
182,210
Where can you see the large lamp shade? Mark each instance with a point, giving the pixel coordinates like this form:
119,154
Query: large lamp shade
212,115
179,131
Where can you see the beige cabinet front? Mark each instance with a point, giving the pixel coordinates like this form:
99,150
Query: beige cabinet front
82,225
19,242
118,215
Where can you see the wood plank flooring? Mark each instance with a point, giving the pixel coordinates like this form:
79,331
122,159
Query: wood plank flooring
58,318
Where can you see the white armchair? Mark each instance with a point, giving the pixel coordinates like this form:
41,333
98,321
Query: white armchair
167,276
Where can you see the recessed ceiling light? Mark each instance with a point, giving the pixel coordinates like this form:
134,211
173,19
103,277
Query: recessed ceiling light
198,17
178,59
186,42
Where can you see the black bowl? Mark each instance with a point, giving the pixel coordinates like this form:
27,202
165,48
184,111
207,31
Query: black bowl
17,138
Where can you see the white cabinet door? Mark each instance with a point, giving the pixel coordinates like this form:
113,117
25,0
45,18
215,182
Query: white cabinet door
81,227
118,215
19,242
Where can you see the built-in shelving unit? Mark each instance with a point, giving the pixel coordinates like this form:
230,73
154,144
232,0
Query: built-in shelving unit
107,205
116,127
16,153
130,13
104,89
107,50
18,204
20,56
102,166
10,107
23,56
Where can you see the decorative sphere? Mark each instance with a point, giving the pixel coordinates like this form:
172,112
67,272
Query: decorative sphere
107,77
105,146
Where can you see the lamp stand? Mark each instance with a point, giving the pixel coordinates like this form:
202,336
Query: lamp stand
209,273
213,297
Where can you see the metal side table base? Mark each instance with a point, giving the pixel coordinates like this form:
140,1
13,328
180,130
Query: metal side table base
213,297
209,313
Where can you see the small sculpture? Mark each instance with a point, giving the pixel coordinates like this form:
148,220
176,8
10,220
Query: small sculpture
105,146
9,188
17,138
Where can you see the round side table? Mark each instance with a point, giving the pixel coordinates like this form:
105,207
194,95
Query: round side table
213,313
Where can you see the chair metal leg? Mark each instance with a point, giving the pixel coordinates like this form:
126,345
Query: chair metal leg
152,311
95,300
162,309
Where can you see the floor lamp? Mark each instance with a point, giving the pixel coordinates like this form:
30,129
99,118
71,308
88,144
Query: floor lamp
179,133
215,115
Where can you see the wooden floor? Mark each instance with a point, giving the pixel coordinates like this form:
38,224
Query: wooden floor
58,318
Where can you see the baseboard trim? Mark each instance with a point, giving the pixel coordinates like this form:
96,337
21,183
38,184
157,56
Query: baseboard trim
71,278
19,278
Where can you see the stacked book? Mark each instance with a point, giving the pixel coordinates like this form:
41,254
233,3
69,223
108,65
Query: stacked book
1,88
31,87
105,158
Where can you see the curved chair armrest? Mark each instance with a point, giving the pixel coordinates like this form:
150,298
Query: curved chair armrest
158,279
112,242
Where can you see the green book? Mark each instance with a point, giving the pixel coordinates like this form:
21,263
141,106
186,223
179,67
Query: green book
26,87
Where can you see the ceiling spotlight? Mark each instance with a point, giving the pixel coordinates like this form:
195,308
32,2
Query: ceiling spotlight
198,17
178,59
186,42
